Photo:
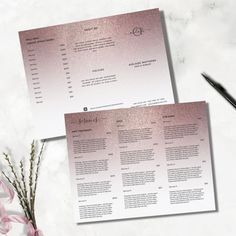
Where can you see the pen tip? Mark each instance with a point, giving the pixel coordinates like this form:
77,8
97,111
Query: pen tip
210,80
205,75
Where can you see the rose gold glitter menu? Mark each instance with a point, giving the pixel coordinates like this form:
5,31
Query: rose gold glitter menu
140,162
112,62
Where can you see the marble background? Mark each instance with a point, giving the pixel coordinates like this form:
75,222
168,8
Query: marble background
202,37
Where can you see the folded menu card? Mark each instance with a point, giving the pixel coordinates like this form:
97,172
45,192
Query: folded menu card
139,162
112,62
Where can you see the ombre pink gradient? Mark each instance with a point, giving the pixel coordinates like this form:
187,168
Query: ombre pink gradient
133,85
136,118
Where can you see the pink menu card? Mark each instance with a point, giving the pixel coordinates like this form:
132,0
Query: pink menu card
112,62
139,162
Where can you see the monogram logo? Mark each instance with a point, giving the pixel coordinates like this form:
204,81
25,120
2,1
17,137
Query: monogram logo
137,31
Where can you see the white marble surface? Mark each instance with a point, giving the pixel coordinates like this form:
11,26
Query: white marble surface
202,37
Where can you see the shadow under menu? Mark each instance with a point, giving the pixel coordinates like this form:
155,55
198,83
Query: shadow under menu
168,54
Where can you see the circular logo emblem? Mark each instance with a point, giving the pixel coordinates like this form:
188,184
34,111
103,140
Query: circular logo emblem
137,31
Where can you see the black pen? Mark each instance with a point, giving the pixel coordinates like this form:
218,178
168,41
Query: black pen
220,89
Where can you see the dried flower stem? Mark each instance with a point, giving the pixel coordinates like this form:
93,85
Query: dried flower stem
13,183
26,198
37,170
32,157
36,179
23,202
12,170
23,179
19,189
